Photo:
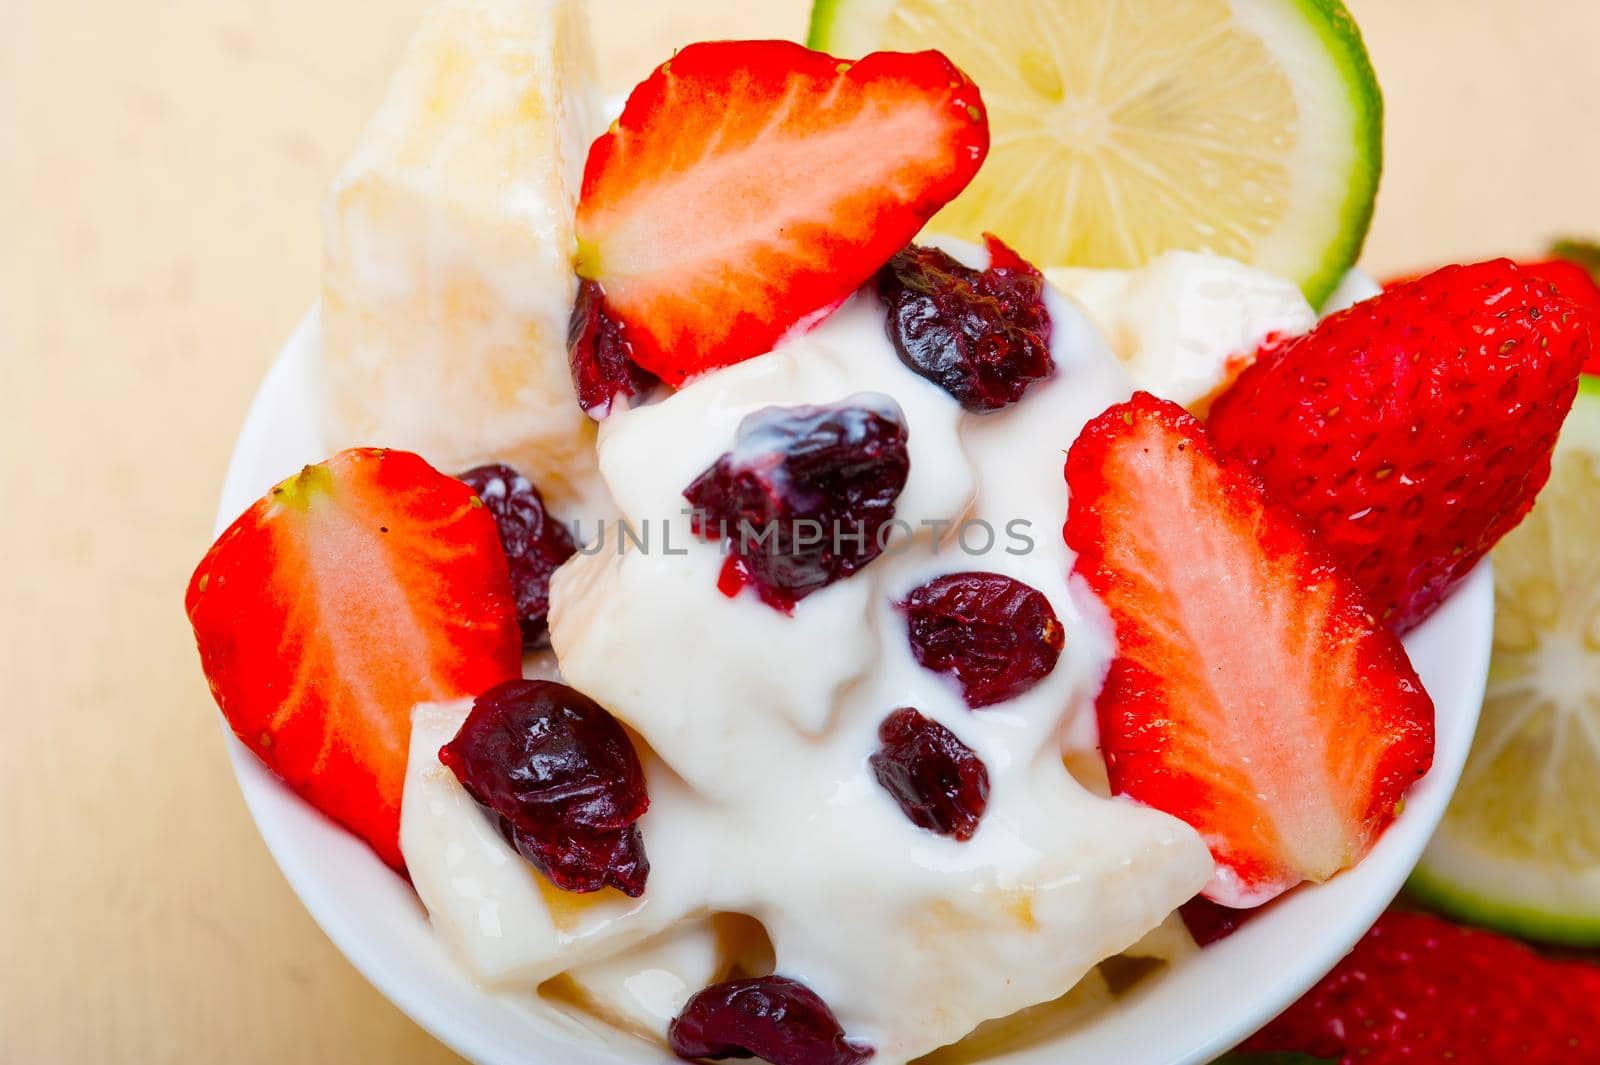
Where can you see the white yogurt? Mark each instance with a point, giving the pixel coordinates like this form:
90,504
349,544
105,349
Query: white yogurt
759,725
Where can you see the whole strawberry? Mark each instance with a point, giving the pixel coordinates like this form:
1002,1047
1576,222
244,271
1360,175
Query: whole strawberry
1418,989
1578,278
1412,431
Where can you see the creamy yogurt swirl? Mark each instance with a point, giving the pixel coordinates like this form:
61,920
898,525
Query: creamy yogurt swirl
756,726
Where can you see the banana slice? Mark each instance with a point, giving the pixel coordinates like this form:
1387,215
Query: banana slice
642,989
448,279
503,920
1187,323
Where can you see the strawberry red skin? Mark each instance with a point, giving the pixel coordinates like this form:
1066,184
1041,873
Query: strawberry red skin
1252,695
750,184
1577,284
1418,989
1572,280
1413,430
352,591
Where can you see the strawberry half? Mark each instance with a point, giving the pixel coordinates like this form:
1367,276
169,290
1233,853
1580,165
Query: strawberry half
1412,431
352,591
1252,695
749,184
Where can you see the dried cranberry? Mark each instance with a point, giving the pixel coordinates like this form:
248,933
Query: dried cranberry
996,636
1208,921
563,776
535,542
585,863
937,780
803,497
982,336
599,355
771,1017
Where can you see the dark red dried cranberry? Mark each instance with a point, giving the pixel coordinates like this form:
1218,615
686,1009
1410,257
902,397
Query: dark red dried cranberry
982,336
1208,922
937,780
599,355
802,499
996,636
585,863
777,1019
563,776
535,542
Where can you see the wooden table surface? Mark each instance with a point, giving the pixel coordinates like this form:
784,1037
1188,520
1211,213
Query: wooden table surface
161,165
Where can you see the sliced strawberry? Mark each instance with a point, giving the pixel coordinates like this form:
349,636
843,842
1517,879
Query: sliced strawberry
1252,695
352,591
749,184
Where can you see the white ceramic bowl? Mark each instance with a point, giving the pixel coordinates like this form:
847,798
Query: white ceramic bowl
1184,1016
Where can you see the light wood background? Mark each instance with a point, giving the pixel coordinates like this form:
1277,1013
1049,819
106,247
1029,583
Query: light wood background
161,164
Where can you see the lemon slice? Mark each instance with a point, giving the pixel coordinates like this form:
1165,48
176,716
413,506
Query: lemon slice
1519,847
1125,128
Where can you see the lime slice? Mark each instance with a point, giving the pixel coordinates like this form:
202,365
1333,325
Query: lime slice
1125,128
1519,847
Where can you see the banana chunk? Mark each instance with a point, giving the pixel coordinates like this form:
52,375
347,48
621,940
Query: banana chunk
641,989
1187,323
508,925
448,280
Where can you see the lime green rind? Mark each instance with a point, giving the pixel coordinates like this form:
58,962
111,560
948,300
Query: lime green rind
1456,878
1342,37
1504,915
846,27
822,15
1581,430
829,32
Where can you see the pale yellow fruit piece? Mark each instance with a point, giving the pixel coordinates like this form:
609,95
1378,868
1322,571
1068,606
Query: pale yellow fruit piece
502,919
448,247
641,989
1186,323
1029,1027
